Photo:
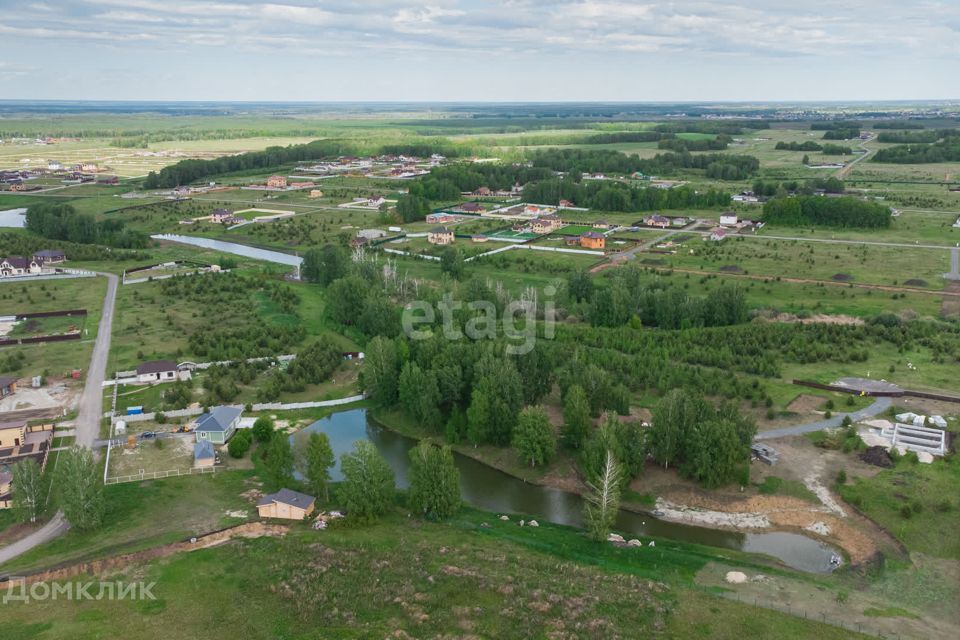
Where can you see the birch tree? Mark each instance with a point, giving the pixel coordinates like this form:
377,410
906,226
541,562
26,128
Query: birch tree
29,491
603,499
80,489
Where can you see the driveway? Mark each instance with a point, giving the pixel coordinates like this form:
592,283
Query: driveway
879,406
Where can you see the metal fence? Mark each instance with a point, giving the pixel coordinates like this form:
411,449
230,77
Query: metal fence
799,612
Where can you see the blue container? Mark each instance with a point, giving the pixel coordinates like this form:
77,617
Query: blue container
133,411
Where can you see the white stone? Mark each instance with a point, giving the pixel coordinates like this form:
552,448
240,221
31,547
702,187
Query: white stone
736,577
533,523
633,542
925,457
504,517
614,537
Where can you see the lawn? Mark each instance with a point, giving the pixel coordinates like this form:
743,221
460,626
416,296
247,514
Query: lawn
917,503
406,578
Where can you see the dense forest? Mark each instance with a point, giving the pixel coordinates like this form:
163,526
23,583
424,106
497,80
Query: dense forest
606,195
707,144
947,150
63,222
719,166
828,212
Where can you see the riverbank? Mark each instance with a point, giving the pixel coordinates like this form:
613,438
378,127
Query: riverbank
675,499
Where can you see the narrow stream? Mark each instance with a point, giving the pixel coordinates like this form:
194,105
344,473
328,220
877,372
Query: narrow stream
492,490
233,247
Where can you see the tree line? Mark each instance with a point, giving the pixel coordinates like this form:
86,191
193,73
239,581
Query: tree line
946,150
844,212
770,188
608,195
719,166
62,222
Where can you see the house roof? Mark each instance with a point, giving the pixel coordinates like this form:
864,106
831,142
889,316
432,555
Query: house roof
17,262
218,419
156,366
203,449
287,496
49,253
440,230
6,381
592,234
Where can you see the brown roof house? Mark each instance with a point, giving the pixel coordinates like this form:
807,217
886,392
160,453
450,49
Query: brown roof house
157,371
286,504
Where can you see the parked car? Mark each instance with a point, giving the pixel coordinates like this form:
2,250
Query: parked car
147,435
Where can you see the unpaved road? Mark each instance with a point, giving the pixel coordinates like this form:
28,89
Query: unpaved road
87,422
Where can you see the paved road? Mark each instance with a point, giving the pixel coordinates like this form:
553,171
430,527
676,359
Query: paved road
879,406
87,422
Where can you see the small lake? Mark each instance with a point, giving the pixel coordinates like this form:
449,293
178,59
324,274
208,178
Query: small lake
13,218
234,248
491,490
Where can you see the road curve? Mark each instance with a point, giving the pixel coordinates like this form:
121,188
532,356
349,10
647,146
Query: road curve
87,423
879,406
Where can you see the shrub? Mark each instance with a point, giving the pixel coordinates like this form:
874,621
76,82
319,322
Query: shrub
906,512
842,477
944,506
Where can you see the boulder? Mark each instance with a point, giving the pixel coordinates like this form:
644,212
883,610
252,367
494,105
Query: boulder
615,537
925,457
633,542
533,523
736,577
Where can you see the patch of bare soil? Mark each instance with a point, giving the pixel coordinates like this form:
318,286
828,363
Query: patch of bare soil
915,282
731,268
841,277
805,403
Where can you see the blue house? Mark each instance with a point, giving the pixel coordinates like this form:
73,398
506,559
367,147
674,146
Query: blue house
217,425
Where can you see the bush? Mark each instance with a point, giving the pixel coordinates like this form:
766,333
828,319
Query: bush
263,429
906,512
828,414
842,477
239,444
917,506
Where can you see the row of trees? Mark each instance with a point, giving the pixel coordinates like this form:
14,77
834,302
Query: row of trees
946,150
914,137
720,166
809,145
606,195
699,144
58,221
829,212
770,188
75,487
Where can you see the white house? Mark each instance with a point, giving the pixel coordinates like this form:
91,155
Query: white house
729,219
157,371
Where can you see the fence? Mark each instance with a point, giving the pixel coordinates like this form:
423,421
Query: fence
156,475
800,612
879,393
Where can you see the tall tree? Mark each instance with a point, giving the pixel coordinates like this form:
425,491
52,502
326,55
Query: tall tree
533,437
314,459
30,490
278,461
715,454
434,481
603,499
368,485
325,264
576,417
379,374
80,489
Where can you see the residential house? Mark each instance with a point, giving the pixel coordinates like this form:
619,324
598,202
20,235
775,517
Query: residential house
601,224
440,235
358,241
546,224
657,221
8,386
276,182
157,371
593,240
204,455
376,201
566,204
18,266
49,256
482,191
217,425
221,215
440,217
316,193
286,504
302,185
729,219
717,234
472,207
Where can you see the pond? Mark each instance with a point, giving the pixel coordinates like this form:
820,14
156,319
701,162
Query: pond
14,218
492,490
234,248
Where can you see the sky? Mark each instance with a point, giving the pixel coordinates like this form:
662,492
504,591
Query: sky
480,50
